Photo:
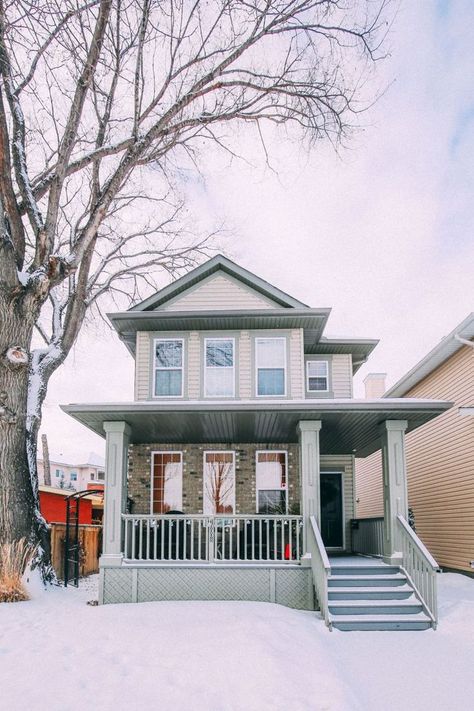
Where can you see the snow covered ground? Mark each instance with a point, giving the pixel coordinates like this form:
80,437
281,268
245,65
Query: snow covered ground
56,653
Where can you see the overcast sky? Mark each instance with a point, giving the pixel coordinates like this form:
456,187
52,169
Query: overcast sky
382,232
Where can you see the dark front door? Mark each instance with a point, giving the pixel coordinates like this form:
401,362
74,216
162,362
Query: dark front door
331,510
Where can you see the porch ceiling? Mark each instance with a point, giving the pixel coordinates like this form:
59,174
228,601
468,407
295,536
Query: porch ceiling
348,426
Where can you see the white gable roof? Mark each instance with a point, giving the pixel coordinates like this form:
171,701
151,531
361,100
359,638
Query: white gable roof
237,286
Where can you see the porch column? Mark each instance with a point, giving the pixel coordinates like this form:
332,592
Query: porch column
308,435
117,440
395,498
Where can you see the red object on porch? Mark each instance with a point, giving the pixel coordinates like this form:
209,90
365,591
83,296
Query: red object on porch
53,506
287,552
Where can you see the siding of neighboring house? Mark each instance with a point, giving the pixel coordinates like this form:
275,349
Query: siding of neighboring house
440,464
217,293
53,507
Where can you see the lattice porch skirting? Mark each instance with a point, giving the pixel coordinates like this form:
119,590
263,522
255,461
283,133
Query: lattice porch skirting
291,586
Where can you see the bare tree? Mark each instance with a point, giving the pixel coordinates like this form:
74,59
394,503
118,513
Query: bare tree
219,486
101,105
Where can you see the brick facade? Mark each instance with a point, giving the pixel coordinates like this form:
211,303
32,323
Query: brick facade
139,474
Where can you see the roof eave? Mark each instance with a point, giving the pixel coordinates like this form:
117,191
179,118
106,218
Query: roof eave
446,348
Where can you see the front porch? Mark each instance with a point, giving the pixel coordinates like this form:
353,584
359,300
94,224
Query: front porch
228,547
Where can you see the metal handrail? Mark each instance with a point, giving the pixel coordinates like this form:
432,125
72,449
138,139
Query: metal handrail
420,567
223,537
321,568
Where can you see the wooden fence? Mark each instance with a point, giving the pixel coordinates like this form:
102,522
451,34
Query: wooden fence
90,538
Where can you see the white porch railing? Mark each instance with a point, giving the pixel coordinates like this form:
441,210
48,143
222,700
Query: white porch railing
419,566
222,538
367,536
321,568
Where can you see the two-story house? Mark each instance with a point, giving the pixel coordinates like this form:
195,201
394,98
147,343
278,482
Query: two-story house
236,457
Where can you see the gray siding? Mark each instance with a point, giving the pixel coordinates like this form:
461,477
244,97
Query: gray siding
219,292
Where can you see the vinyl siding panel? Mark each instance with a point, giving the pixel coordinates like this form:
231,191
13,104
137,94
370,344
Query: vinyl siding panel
345,464
142,366
245,365
193,366
440,464
369,486
342,375
218,292
296,365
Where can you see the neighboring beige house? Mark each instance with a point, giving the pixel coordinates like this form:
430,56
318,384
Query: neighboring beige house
231,474
440,454
74,476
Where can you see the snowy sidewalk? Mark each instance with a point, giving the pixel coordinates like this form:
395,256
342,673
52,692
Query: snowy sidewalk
56,653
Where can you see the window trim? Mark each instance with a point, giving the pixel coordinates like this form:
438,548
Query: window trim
234,502
257,488
155,368
152,468
205,366
285,366
315,360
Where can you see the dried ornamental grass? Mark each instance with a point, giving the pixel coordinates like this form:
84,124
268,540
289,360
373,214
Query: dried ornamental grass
14,557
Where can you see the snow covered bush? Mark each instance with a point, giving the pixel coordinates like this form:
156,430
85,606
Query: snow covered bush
14,557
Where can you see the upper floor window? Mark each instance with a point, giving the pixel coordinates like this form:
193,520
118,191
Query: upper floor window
317,376
73,476
271,366
169,367
219,375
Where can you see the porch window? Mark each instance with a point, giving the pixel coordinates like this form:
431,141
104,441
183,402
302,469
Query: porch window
219,374
271,366
167,482
317,376
271,482
219,483
169,367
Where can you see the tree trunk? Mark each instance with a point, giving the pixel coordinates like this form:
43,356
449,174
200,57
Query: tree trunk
19,503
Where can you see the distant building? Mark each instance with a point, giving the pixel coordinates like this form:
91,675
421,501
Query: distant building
76,477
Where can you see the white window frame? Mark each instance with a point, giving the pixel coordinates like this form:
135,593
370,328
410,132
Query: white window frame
285,368
158,340
152,469
258,488
218,451
219,338
314,360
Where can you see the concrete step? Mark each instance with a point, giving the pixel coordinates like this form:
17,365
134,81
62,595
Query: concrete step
381,622
369,569
412,606
366,580
393,592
